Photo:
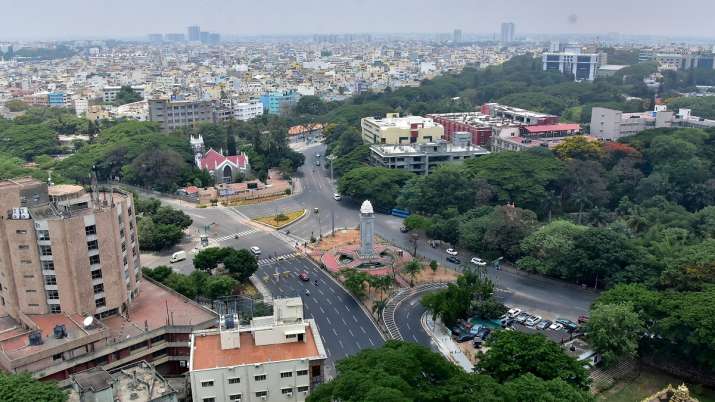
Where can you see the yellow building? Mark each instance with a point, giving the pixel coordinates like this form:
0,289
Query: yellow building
396,130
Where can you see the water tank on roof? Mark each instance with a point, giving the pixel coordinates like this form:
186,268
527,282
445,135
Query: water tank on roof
60,331
35,338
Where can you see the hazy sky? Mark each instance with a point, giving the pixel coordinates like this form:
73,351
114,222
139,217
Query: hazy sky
27,19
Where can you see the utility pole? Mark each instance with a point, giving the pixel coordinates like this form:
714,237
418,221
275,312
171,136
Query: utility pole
332,212
331,158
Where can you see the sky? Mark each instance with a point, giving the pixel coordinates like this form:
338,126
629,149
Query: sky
70,19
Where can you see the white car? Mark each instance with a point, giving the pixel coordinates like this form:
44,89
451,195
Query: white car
533,320
451,251
478,261
513,312
256,250
556,327
337,197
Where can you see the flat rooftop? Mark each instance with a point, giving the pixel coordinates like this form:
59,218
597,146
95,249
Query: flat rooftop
428,148
207,353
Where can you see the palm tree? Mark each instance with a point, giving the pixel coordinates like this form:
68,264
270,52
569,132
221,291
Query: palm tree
378,307
412,268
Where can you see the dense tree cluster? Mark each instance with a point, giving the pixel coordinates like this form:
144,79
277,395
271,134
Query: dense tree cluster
160,227
401,372
198,283
22,387
240,264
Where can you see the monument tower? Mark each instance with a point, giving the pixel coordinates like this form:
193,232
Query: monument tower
367,229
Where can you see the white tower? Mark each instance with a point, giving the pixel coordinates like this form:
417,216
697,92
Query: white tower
367,229
197,147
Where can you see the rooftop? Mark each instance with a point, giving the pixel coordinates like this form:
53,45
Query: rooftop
403,122
136,382
431,147
552,127
59,190
208,354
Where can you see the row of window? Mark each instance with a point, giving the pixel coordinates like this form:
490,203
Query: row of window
259,377
259,394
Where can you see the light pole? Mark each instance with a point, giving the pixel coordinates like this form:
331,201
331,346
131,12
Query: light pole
331,158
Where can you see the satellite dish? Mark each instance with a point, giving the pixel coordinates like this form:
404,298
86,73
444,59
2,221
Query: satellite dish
88,322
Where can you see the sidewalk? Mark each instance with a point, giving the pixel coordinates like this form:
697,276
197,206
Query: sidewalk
443,340
262,289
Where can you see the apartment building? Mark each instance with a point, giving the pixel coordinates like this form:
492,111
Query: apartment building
279,102
177,114
109,93
423,159
274,358
395,130
134,382
610,124
583,66
524,137
71,292
245,111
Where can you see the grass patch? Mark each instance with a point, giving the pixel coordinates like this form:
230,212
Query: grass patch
280,220
648,383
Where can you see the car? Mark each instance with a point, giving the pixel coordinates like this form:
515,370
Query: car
478,261
457,330
568,324
533,320
177,256
484,333
582,319
465,337
256,250
513,312
523,316
477,343
451,251
404,229
317,163
303,276
337,197
556,326
317,155
454,260
543,324
507,322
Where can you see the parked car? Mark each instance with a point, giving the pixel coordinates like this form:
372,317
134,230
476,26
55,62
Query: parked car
478,261
513,312
568,324
454,260
177,256
451,251
304,276
556,326
533,320
457,330
523,316
507,322
337,197
543,324
465,337
484,333
256,250
582,319
317,163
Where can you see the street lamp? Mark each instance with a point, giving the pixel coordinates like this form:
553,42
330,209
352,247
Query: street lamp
331,158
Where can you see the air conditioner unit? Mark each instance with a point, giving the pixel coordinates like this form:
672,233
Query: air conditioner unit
182,363
289,395
263,398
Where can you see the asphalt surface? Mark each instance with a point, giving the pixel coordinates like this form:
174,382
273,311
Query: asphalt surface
407,318
343,325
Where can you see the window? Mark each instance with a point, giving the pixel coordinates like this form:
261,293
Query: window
286,390
125,260
90,230
45,250
25,261
303,388
28,276
234,397
53,295
100,302
301,372
50,280
23,246
287,374
43,235
94,260
291,336
124,246
261,393
55,309
206,384
129,211
97,274
261,377
98,288
30,291
21,231
48,265
57,356
209,400
234,380
92,245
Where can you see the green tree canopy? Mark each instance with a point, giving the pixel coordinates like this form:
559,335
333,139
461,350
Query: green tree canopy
22,387
613,331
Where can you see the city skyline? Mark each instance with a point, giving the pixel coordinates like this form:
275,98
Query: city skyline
79,19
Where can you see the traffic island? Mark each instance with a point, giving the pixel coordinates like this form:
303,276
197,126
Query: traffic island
281,220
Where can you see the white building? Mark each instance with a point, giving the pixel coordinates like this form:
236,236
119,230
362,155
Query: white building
81,105
583,66
275,358
245,111
109,93
395,130
610,124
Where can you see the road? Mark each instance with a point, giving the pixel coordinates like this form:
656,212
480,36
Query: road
343,325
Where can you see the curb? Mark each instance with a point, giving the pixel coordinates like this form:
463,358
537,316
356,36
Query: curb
405,294
282,226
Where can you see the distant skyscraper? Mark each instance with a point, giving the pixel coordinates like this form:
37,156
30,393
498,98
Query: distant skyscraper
156,38
214,38
175,37
457,36
507,32
194,33
204,36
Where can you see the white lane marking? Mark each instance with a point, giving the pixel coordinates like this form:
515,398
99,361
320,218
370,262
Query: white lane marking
332,290
329,302
344,322
321,292
408,326
358,345
321,309
355,318
363,330
371,342
328,319
351,332
341,344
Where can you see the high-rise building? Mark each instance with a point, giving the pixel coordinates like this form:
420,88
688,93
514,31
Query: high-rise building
214,38
155,38
507,32
194,33
457,36
204,36
583,66
175,37
396,130
172,115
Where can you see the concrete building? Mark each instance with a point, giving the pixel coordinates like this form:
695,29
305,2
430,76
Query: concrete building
57,99
193,33
274,358
395,130
507,32
245,111
424,158
609,70
81,106
135,382
457,36
109,93
173,115
583,66
155,38
279,102
610,124
525,137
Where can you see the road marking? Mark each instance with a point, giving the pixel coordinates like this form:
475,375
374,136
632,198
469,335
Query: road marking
371,342
329,302
328,319
336,334
358,345
351,332
415,338
331,289
341,343
355,318
344,322
408,326
235,235
321,292
321,310
363,330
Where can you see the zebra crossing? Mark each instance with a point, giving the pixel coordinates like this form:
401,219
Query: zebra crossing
236,235
271,260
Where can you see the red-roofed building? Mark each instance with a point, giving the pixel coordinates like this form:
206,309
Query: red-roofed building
225,169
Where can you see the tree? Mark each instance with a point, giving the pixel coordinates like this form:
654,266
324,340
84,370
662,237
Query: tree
355,281
157,168
209,258
614,330
126,95
27,141
433,266
472,294
412,268
155,237
548,246
377,184
16,105
529,388
579,147
218,286
447,187
241,264
512,354
597,255
286,168
496,231
169,216
22,387
311,105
